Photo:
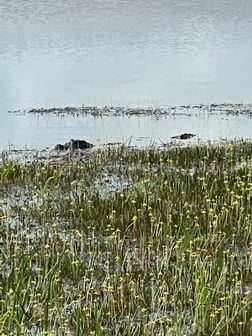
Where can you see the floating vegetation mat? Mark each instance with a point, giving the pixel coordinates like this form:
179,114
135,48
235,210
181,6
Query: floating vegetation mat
230,109
122,241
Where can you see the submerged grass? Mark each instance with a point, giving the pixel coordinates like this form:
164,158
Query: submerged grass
128,242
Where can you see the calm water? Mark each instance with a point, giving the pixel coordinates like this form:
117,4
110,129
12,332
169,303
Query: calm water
111,52
38,132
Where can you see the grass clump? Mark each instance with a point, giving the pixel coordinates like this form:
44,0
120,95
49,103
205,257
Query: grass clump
128,242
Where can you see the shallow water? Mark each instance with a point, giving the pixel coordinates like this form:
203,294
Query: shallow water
36,131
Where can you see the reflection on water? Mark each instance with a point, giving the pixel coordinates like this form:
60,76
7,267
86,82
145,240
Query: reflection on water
34,131
110,52
126,53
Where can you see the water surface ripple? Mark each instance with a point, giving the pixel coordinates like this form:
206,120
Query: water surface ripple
122,53
127,53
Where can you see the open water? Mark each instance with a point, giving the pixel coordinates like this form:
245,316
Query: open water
122,53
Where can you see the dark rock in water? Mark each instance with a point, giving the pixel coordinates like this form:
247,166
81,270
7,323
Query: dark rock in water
184,136
74,144
79,144
59,147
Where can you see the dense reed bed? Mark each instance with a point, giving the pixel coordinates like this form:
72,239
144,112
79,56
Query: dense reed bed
123,241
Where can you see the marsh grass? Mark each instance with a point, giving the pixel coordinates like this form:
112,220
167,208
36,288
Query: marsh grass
128,242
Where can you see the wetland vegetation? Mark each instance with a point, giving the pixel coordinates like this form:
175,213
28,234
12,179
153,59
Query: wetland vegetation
123,241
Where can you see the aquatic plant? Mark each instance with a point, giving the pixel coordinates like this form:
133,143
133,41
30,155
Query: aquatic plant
123,241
